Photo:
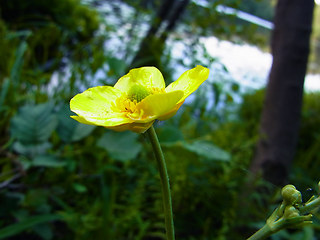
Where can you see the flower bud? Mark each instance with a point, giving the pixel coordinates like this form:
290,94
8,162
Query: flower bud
290,212
291,195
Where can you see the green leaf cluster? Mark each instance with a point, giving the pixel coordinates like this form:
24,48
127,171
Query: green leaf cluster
60,179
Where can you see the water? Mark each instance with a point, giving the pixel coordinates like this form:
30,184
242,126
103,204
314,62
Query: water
249,65
246,64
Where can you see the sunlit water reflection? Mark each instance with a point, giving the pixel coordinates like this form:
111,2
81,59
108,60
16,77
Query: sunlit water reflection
246,64
249,65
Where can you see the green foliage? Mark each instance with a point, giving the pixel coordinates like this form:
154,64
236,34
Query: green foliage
26,224
11,67
60,179
120,146
203,215
307,158
127,197
69,130
62,26
33,125
202,148
39,40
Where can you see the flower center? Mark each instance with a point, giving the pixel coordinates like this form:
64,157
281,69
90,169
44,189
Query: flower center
124,105
128,102
138,93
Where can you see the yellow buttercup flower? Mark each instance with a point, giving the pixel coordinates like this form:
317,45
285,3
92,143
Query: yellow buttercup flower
136,100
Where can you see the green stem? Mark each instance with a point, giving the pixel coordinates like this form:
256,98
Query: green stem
278,220
310,206
164,178
263,233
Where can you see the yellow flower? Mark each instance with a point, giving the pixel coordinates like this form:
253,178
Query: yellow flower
136,100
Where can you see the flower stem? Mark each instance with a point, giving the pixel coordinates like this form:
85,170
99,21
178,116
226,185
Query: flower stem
165,187
310,206
263,233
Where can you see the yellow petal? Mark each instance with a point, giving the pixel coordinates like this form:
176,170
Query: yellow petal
81,120
135,127
155,106
171,113
189,81
140,127
94,106
110,121
148,77
120,128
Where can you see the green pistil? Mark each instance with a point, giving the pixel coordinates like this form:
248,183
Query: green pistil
138,93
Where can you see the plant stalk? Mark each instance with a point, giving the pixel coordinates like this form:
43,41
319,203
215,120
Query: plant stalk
263,233
165,186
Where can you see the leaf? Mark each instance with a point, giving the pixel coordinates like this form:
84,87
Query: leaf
169,134
47,161
31,149
25,162
217,91
235,87
117,66
33,124
207,149
3,93
44,231
27,223
70,130
18,34
17,66
80,188
121,146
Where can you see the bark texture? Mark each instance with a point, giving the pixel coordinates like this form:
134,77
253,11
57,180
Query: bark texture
280,119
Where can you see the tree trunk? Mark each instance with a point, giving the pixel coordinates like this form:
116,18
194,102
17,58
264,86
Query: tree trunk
282,108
